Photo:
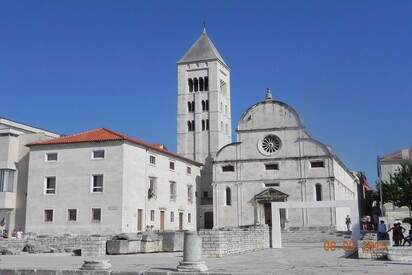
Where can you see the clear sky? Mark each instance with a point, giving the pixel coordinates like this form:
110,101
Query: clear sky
344,66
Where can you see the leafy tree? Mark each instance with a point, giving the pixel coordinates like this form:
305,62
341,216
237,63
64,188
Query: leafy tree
398,189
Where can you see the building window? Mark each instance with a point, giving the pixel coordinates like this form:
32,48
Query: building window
200,84
173,191
50,187
228,196
272,166
196,85
98,154
172,165
6,180
203,125
317,164
152,160
152,215
97,184
48,215
152,188
190,83
318,190
207,124
205,194
205,105
96,214
191,126
228,168
189,170
191,106
172,216
51,156
270,144
189,217
206,83
72,215
190,194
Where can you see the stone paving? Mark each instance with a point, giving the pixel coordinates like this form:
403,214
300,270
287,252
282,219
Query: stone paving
291,259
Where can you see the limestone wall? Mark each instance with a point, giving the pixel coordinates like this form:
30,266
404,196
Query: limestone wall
230,241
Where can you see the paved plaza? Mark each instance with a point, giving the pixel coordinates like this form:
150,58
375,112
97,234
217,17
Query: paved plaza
291,259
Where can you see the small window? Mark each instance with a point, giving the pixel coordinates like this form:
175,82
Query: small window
97,185
228,196
317,164
153,160
152,215
152,188
172,165
189,170
72,215
48,215
51,157
272,166
50,185
271,184
190,194
205,194
96,214
172,190
228,168
172,216
98,154
189,217
318,191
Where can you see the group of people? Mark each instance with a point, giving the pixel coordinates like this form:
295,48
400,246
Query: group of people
398,236
370,223
14,234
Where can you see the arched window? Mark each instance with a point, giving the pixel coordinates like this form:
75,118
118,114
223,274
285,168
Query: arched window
206,83
221,126
207,105
225,109
203,125
189,106
193,106
226,129
318,191
193,125
221,107
200,84
207,124
196,85
228,196
189,126
203,105
190,82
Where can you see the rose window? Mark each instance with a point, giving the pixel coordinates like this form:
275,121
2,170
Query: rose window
269,145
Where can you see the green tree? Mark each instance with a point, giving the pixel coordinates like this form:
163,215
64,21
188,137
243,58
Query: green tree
398,189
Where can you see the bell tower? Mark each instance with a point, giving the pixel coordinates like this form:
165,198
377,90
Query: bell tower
203,114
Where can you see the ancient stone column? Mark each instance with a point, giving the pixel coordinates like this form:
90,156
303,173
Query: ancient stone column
192,254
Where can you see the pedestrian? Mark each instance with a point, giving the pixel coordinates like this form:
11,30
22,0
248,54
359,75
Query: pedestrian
348,222
396,234
19,233
151,227
401,230
375,221
408,239
364,223
382,235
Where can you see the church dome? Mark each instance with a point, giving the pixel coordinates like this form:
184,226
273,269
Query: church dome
269,114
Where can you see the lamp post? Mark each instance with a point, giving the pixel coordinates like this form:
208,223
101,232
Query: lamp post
381,197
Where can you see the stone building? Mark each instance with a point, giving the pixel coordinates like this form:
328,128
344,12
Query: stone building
14,162
203,114
275,159
388,165
103,182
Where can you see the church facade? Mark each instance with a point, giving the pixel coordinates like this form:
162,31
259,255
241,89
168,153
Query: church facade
274,158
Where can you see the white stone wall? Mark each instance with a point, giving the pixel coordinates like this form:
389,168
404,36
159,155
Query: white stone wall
126,179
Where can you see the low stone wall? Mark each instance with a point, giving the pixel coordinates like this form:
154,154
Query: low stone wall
89,245
400,253
234,240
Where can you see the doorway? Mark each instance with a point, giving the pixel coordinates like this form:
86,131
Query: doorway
208,220
139,219
180,221
162,220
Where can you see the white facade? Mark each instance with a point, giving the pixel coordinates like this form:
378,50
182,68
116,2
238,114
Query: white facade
14,170
275,159
203,114
109,186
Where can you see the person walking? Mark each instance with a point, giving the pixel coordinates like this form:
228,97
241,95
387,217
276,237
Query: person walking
348,222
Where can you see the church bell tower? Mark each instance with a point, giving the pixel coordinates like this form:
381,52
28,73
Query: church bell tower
203,114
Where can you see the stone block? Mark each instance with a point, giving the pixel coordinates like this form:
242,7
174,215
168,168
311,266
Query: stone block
400,253
172,240
118,247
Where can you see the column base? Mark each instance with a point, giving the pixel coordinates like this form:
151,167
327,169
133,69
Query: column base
192,267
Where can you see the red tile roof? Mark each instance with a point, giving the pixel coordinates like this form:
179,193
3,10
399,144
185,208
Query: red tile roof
396,156
103,134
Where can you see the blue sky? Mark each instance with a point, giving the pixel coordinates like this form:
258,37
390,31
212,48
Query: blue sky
344,66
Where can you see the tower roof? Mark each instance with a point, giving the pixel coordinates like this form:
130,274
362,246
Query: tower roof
202,49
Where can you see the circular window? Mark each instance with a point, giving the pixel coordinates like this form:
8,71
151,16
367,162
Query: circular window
270,144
